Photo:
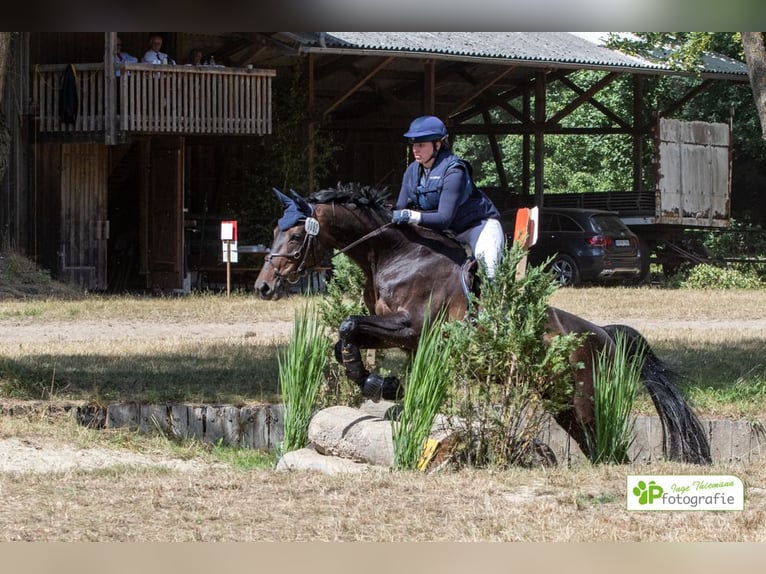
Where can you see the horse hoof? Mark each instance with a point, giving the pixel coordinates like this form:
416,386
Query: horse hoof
376,388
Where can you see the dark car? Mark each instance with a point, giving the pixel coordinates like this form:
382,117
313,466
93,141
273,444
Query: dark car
586,245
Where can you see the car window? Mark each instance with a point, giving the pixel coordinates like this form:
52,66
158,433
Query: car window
609,223
549,222
566,223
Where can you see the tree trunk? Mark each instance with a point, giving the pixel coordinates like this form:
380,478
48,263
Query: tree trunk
755,57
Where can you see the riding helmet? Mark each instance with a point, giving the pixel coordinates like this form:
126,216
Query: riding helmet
426,129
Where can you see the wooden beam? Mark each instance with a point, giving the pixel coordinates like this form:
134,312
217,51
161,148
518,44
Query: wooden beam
584,97
540,91
496,154
358,85
429,89
637,135
489,82
686,98
595,103
110,88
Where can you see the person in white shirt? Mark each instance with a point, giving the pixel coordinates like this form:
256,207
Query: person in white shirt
155,55
121,57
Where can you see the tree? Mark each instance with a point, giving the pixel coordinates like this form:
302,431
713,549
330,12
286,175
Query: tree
755,58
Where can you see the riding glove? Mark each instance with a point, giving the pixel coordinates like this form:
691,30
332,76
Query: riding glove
406,216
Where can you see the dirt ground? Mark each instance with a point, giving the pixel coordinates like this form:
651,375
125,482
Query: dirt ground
39,455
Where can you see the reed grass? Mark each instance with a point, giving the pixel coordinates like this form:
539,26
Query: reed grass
426,389
617,378
301,373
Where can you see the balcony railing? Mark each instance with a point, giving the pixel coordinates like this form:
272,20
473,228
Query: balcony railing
153,99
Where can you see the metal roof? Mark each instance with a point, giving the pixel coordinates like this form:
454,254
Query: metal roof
560,49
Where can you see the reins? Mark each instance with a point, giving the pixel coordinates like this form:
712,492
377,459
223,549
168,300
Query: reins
371,234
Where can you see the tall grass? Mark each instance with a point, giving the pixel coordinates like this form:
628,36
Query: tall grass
426,388
301,372
617,378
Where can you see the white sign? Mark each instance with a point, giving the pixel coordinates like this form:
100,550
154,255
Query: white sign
230,249
671,492
227,231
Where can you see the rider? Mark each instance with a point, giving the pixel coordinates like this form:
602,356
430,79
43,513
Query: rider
438,192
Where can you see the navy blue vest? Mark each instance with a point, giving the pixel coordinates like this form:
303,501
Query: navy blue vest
472,206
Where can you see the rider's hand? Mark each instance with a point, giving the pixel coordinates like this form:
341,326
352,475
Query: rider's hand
406,216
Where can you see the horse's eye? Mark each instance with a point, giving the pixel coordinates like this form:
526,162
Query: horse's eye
295,237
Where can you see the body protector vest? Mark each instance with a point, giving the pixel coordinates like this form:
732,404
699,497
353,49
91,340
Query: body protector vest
424,192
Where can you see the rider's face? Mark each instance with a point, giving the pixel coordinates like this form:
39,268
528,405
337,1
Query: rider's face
424,152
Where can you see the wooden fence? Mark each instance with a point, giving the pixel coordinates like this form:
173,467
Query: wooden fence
153,99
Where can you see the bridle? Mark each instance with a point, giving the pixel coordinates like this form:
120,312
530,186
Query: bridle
311,225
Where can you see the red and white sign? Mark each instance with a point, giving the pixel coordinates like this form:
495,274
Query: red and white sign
228,231
229,239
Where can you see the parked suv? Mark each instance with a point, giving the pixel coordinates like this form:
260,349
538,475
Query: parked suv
587,245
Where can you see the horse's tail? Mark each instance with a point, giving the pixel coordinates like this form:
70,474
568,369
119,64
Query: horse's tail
683,436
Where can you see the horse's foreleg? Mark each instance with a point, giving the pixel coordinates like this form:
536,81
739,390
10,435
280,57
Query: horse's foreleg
375,332
380,331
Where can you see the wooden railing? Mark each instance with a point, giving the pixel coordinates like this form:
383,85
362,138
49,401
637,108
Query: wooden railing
153,99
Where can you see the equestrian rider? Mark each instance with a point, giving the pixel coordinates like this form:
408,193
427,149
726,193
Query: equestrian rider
438,192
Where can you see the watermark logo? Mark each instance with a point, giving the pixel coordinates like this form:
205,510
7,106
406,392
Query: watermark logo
685,492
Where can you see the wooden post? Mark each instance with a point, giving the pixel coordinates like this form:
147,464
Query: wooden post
228,268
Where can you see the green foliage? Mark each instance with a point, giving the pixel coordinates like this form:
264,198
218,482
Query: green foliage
705,276
426,388
507,375
244,459
342,299
616,381
344,295
301,373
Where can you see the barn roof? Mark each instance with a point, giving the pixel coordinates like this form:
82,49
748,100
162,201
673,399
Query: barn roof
538,49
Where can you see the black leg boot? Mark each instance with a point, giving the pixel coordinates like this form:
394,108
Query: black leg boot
376,388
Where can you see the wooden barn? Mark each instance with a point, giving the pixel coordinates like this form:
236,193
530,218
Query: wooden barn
119,173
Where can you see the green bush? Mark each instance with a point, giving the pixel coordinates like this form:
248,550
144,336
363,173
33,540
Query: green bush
705,276
507,376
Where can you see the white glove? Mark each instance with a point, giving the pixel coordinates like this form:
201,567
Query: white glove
406,216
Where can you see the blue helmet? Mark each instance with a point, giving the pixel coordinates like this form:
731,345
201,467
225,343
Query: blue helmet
426,129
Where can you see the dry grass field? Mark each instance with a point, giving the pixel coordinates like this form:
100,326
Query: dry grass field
62,482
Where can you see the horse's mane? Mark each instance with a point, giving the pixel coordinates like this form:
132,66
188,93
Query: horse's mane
373,198
376,200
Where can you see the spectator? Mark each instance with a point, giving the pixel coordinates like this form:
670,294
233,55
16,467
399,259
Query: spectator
195,58
155,55
121,57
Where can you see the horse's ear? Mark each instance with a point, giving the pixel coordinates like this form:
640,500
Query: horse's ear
286,201
303,205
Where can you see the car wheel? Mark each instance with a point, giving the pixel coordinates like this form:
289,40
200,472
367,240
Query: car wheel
565,270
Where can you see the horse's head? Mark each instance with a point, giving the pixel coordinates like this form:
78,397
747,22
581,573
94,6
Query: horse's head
295,249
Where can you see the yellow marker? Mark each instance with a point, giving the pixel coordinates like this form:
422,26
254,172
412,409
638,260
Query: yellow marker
427,454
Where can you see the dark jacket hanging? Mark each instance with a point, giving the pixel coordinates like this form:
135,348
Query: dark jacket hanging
68,98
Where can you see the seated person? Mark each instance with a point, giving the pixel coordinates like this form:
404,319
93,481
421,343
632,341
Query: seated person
121,57
195,58
155,55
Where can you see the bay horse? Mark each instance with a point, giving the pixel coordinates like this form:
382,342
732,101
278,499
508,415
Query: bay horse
411,272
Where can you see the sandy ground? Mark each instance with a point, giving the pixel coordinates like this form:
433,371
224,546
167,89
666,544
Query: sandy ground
23,332
37,455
